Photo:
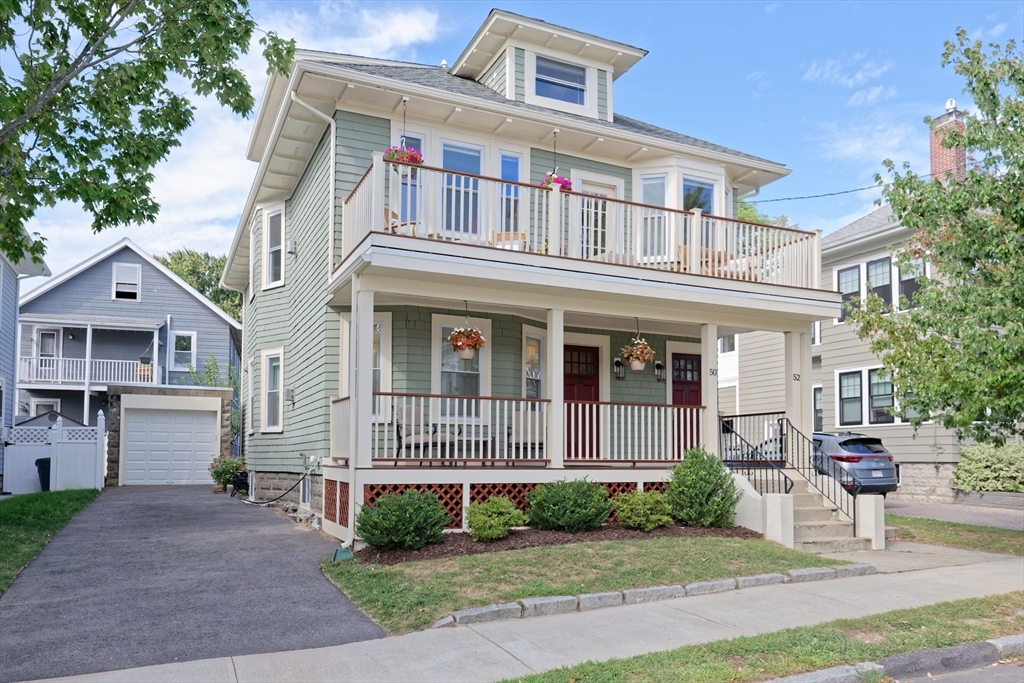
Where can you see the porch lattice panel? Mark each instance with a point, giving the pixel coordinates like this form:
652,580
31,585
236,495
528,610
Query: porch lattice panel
331,500
658,486
617,487
481,493
449,495
343,503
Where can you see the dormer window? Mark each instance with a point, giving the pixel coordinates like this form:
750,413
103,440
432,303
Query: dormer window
561,81
127,278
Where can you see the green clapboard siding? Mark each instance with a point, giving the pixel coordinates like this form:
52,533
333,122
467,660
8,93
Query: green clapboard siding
496,76
602,95
359,136
542,161
520,64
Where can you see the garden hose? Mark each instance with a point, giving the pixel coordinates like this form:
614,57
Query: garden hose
265,503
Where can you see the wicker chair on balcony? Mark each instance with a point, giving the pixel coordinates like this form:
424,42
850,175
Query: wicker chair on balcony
414,434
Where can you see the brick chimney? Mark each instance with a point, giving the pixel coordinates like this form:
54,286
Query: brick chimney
947,160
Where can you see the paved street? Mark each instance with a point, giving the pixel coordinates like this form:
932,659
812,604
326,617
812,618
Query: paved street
156,574
1003,518
1001,673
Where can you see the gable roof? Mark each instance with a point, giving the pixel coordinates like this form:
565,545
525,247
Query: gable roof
875,223
126,243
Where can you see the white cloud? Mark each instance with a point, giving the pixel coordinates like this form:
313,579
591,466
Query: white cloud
869,96
202,185
761,83
849,72
870,140
770,9
997,30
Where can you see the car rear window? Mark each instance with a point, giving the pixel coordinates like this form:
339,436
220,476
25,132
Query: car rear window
864,446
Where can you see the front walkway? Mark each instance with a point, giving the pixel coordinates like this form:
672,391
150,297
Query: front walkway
1002,518
156,574
504,649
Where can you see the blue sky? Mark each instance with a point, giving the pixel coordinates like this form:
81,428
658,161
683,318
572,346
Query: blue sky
829,89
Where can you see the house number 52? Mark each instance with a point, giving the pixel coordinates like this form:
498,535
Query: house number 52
796,376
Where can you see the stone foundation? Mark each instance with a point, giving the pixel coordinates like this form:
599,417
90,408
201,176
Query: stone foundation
925,482
272,484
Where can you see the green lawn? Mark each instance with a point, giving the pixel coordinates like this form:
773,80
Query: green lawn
28,522
987,538
810,648
413,595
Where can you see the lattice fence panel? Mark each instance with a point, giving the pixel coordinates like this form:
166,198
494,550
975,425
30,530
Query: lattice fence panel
658,486
450,496
617,487
30,434
481,493
343,503
331,500
79,434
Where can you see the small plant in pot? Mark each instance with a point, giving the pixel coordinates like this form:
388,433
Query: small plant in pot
223,469
405,155
465,341
638,353
551,179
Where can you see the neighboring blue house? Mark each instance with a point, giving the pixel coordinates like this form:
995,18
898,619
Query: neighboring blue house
119,317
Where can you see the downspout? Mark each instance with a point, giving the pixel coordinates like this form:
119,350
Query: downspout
167,353
330,178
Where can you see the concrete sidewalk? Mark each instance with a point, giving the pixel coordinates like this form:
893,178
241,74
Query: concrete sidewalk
1001,517
519,647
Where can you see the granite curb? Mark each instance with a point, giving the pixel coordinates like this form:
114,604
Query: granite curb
561,604
922,662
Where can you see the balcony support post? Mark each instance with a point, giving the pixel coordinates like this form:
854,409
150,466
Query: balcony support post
555,386
799,404
361,374
709,387
694,242
88,374
156,354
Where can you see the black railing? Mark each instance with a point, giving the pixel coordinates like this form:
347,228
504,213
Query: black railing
824,474
761,464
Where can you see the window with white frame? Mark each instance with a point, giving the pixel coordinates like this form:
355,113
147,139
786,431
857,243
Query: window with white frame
410,196
560,81
273,250
42,406
815,333
727,344
655,227
850,398
251,380
819,412
880,397
879,279
849,287
698,194
454,376
127,281
304,491
511,164
184,350
273,372
533,366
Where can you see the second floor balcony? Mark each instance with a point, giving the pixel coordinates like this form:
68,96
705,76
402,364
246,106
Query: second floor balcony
438,204
78,371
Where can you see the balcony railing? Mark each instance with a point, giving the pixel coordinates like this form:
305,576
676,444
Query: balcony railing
597,431
73,371
433,203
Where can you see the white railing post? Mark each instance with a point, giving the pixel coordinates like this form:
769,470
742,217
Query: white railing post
694,242
816,259
377,208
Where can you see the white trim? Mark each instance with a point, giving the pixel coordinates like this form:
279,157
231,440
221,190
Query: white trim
865,400
113,281
816,333
252,260
438,321
542,334
265,354
813,387
58,346
604,359
174,342
589,108
33,402
113,249
384,319
692,348
580,176
268,212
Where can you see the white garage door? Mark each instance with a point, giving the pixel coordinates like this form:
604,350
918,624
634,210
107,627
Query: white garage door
168,446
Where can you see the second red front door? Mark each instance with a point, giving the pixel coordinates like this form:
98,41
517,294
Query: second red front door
582,384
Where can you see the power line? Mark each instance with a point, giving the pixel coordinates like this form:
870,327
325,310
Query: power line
811,196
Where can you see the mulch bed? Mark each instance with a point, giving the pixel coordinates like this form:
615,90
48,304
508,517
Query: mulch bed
457,544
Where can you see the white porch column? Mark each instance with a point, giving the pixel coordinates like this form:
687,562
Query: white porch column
361,374
799,406
709,387
555,384
88,373
156,354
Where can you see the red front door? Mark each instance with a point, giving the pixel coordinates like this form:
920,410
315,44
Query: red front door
686,391
581,384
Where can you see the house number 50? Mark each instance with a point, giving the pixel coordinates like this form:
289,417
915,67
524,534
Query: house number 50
796,376
713,371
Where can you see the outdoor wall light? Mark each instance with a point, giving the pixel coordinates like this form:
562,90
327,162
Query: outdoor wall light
620,369
289,246
289,395
659,371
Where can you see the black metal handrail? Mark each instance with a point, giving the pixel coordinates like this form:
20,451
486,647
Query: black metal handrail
823,473
741,456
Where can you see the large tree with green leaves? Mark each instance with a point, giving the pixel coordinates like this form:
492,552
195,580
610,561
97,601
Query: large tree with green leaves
94,93
958,355
749,213
202,271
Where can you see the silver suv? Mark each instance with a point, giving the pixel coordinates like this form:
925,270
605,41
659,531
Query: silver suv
855,459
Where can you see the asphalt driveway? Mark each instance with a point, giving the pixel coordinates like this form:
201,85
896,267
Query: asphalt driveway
156,574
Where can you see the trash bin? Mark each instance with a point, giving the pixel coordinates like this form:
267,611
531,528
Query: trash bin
43,468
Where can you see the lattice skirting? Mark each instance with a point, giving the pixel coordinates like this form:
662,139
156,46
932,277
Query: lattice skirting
658,486
343,503
331,500
450,496
481,493
617,487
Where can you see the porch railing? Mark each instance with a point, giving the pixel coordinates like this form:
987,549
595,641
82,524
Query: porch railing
454,428
824,474
752,446
630,432
73,371
434,203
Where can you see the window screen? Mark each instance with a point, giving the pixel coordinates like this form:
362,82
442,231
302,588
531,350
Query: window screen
561,81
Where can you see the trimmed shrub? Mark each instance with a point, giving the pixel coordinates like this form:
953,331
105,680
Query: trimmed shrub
645,511
984,468
572,506
494,519
701,491
409,521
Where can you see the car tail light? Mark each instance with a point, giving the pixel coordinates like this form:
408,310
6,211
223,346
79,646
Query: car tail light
847,458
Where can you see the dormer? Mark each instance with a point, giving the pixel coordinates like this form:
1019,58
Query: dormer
532,61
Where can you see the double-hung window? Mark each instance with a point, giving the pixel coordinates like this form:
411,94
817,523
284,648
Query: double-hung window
459,377
819,413
850,401
561,81
909,281
274,262
655,227
272,403
880,397
880,279
849,287
127,281
184,350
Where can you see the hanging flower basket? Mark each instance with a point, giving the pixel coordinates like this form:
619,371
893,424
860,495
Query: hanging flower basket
638,353
466,341
552,179
405,155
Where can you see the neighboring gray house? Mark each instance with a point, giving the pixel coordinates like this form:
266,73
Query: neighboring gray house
119,317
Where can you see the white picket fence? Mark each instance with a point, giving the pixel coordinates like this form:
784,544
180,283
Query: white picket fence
77,456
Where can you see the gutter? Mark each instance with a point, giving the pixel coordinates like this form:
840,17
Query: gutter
332,226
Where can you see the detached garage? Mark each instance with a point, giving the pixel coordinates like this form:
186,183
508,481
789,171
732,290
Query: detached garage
166,435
